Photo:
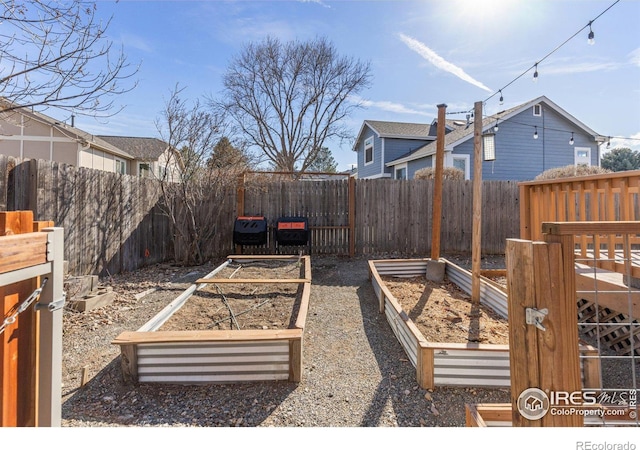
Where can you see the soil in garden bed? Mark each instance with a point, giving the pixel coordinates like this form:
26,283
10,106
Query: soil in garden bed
244,306
444,313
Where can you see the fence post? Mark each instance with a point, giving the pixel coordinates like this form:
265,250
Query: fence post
352,217
544,358
50,360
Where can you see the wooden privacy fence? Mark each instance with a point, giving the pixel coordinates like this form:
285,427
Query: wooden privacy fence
595,198
112,222
31,300
368,217
115,222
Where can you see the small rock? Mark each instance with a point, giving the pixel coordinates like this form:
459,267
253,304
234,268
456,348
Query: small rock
428,397
407,392
434,410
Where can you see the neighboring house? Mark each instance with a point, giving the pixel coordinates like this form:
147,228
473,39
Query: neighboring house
154,158
28,134
560,140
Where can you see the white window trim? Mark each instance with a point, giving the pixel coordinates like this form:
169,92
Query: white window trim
115,165
369,143
575,155
537,106
401,166
466,158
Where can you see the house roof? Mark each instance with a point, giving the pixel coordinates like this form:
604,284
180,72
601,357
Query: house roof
71,132
142,148
465,133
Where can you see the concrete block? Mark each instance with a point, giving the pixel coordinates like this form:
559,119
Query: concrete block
435,270
99,299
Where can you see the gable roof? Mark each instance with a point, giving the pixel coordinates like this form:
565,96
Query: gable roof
142,148
82,137
465,133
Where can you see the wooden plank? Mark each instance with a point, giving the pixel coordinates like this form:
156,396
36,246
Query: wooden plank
425,367
252,280
20,251
559,356
520,287
295,360
141,337
591,227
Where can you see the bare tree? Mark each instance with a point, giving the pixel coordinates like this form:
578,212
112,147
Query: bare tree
288,98
57,54
193,200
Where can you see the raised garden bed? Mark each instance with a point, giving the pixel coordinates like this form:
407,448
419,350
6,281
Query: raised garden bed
457,354
244,321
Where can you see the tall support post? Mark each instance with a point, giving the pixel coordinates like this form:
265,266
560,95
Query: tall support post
50,364
437,185
476,237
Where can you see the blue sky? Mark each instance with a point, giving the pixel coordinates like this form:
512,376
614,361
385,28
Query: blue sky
422,53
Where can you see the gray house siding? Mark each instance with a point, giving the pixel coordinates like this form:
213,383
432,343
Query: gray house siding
413,166
375,168
520,157
395,148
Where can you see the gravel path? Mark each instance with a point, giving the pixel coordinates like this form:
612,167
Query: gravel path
355,373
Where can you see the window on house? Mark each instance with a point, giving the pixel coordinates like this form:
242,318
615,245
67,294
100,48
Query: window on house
121,166
537,110
462,162
368,150
144,170
401,173
583,156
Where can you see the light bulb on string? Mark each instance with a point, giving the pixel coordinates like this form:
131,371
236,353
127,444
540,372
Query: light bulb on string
535,133
495,128
571,140
591,38
501,98
535,73
609,143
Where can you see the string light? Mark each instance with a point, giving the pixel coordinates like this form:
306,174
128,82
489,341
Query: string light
501,98
571,140
535,133
609,142
495,128
591,39
535,66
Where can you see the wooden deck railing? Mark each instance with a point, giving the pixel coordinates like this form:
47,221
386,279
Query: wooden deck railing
611,197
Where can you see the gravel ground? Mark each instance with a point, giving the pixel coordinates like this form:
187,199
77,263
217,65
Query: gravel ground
355,373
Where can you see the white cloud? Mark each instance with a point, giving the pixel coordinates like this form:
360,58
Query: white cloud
319,2
633,143
634,57
394,107
439,61
137,42
567,67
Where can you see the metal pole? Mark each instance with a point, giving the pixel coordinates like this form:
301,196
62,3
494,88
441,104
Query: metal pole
50,362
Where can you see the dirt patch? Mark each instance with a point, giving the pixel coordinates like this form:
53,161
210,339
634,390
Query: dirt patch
228,306
444,313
